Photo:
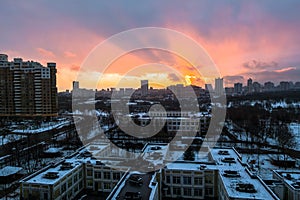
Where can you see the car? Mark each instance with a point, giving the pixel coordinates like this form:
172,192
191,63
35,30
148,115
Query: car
136,179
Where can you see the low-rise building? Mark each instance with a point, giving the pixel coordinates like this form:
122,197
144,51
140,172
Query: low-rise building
218,174
291,182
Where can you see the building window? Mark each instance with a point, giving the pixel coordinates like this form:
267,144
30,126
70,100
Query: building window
187,180
107,175
176,191
116,176
187,191
75,178
63,188
70,183
89,172
176,179
208,191
198,192
168,180
198,181
106,186
89,183
97,175
208,179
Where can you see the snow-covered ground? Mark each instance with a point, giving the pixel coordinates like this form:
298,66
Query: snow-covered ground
295,129
44,127
4,139
274,104
261,163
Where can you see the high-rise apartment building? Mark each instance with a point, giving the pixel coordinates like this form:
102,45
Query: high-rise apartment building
249,85
75,85
27,88
238,88
219,88
144,87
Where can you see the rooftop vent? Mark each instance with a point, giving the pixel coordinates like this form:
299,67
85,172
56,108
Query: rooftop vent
51,175
98,162
86,154
155,148
66,166
231,173
296,185
223,152
245,187
288,176
202,167
228,160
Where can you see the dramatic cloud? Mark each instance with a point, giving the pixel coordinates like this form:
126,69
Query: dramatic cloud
242,37
287,74
173,77
259,65
229,80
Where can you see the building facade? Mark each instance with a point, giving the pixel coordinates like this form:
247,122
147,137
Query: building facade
27,88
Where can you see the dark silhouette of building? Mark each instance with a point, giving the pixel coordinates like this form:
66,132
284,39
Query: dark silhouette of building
250,85
238,88
144,87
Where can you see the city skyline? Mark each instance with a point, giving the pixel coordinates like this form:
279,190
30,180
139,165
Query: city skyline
264,46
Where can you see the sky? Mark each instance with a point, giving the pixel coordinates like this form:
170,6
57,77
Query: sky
254,38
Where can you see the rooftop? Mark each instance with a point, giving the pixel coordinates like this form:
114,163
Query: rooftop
291,178
9,170
237,180
136,186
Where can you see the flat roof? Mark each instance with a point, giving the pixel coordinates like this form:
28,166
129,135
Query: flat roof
292,178
9,170
40,177
145,189
229,160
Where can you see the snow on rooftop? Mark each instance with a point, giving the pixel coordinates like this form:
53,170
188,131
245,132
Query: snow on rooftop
229,159
41,178
53,150
292,178
9,170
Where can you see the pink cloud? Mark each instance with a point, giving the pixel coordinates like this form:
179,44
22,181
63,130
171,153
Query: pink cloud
45,53
285,69
69,54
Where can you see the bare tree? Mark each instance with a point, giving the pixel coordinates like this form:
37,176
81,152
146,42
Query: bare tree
285,139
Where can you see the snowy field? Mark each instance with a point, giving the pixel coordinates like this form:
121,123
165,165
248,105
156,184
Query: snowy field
295,129
261,163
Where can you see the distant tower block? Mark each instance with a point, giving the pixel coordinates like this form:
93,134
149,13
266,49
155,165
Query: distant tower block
75,85
219,88
144,87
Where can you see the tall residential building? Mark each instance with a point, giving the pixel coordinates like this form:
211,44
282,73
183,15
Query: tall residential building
238,88
284,85
208,87
249,85
144,87
27,88
219,88
256,87
269,86
75,85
